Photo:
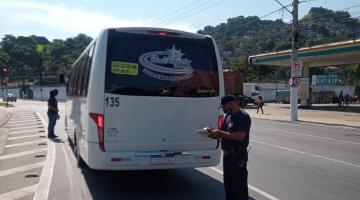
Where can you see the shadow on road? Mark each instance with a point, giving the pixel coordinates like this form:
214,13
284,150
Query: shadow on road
180,184
156,184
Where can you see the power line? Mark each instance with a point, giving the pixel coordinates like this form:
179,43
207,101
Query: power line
187,14
175,11
274,11
283,6
357,5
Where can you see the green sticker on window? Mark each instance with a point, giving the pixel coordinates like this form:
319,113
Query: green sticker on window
124,68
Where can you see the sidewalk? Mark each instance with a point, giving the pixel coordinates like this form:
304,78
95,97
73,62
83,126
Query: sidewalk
329,114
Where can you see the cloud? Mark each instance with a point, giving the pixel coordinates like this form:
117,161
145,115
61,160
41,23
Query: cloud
26,17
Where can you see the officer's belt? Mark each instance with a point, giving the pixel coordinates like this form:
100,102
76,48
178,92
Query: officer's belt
233,151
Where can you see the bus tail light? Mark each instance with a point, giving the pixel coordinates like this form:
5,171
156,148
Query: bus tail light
206,157
163,33
99,120
220,121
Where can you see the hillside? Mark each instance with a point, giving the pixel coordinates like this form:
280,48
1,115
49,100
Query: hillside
243,36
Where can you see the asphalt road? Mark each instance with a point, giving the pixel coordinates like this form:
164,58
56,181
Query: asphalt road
287,161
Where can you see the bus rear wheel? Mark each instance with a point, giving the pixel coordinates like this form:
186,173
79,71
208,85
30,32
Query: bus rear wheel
79,161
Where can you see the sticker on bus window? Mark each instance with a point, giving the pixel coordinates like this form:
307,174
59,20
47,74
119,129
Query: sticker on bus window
124,68
168,65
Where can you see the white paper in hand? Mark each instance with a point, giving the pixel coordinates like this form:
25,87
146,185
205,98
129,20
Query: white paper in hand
204,131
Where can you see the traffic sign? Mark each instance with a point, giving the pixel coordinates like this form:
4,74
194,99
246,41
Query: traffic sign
294,82
296,69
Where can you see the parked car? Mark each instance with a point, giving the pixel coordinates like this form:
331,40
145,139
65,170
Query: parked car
10,97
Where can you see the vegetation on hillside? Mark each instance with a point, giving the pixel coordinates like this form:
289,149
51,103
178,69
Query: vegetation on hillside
243,36
35,57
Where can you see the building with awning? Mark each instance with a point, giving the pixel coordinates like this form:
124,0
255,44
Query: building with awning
339,53
323,55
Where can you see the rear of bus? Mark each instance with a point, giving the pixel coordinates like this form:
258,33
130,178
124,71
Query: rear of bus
160,87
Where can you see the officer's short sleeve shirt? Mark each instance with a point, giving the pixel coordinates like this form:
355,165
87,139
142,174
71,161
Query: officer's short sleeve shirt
240,121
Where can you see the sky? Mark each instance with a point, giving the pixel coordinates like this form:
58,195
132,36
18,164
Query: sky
57,19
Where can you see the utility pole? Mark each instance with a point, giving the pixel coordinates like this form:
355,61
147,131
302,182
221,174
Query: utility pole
295,71
294,57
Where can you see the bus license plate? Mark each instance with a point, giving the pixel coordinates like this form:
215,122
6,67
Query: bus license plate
162,160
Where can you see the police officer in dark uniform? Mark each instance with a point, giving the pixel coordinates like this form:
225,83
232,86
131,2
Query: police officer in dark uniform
234,135
53,113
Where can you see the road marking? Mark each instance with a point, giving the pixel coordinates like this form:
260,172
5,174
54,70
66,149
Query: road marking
255,189
17,194
24,153
303,134
22,118
17,124
27,131
27,136
25,143
10,122
42,191
26,127
305,153
16,170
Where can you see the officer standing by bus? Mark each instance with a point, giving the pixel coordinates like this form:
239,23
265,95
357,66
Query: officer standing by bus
234,135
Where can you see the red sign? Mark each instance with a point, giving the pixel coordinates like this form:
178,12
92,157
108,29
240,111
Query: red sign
293,82
296,81
296,68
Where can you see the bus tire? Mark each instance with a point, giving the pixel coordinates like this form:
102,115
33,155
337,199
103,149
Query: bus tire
79,161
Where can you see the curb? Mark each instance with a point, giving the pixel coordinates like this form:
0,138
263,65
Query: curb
4,133
319,123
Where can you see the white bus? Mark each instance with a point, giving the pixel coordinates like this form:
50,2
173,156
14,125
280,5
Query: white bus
137,96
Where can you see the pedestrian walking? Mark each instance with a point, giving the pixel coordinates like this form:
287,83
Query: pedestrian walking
234,135
341,98
53,113
260,104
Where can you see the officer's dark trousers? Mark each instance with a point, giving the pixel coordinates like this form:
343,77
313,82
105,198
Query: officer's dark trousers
52,123
235,178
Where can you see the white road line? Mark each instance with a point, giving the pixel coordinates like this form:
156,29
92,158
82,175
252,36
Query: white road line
14,116
27,131
24,143
305,153
24,168
27,136
22,118
42,191
10,122
17,124
24,153
308,135
26,127
255,189
17,194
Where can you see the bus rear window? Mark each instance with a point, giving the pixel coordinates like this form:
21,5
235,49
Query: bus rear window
152,65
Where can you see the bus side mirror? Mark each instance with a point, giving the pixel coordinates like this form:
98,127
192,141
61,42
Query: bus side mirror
61,78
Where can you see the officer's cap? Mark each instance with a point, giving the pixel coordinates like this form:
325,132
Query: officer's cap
227,98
